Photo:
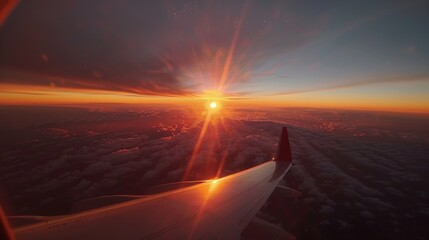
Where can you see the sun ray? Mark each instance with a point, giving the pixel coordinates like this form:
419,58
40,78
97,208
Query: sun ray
197,146
231,51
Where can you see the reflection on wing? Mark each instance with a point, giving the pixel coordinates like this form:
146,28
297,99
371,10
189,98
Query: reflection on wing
216,209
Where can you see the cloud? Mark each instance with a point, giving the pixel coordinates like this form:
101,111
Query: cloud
121,155
154,48
344,179
358,83
97,168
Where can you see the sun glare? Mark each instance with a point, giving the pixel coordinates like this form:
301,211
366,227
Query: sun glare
213,105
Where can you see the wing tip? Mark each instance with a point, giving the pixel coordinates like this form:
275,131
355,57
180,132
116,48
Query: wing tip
284,153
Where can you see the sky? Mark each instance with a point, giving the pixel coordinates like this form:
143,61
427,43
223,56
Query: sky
335,54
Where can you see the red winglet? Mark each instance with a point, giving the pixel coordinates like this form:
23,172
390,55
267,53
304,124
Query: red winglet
283,148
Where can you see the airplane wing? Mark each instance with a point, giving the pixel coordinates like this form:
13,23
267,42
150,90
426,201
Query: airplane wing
214,209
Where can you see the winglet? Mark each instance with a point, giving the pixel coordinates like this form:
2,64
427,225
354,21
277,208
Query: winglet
283,148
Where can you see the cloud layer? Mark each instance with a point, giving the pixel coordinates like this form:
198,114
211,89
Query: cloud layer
358,179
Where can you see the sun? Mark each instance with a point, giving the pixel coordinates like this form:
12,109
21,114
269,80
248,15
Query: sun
213,105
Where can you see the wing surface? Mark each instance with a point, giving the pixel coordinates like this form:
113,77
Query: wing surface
215,209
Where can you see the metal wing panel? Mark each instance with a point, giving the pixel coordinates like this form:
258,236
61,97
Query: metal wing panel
222,207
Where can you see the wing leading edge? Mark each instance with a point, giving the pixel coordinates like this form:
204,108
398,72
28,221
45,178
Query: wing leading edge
216,209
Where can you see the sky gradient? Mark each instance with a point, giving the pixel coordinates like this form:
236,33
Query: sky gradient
354,54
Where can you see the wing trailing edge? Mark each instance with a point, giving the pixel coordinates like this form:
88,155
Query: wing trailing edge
259,229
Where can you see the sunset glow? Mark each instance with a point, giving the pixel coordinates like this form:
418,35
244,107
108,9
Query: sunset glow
399,102
259,65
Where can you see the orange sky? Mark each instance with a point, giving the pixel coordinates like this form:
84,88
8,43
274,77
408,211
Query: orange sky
39,95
